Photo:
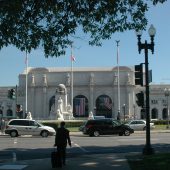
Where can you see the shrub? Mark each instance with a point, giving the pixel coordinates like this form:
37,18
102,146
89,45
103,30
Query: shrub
56,123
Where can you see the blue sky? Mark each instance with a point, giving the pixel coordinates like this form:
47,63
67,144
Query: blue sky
12,61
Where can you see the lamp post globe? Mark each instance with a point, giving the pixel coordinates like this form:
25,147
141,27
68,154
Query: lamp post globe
152,30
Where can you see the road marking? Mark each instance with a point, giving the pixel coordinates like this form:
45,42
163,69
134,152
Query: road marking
15,141
11,167
84,150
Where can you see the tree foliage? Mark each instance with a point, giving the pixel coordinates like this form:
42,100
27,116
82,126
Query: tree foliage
52,24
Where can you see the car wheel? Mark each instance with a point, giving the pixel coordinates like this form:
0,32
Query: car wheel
96,133
14,133
126,132
44,134
144,128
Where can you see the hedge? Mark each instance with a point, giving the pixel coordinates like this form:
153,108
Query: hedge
56,123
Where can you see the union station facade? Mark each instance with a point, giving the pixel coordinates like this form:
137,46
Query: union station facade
95,89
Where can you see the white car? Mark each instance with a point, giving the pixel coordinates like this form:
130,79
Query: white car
139,124
17,127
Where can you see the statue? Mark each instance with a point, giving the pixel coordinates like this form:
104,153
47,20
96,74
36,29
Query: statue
60,104
69,110
128,78
60,109
59,115
61,89
29,116
91,116
63,110
68,80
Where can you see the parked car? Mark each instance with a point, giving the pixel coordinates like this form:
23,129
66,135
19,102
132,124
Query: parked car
97,127
17,127
139,124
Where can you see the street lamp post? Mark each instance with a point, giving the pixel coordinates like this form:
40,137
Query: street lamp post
124,111
118,83
167,93
147,46
134,113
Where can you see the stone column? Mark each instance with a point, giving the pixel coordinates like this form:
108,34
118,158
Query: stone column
91,94
32,97
115,96
45,113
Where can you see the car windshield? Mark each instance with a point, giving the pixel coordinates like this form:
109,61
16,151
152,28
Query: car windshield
40,124
116,122
129,121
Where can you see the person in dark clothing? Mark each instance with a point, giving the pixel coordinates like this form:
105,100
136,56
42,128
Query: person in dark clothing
62,138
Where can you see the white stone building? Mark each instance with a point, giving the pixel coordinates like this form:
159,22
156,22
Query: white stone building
94,90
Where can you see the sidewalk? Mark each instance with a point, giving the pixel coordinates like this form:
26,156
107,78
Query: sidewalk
97,161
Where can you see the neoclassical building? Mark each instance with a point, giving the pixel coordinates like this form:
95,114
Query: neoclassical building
95,89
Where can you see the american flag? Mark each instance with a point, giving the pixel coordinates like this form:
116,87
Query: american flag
80,106
106,102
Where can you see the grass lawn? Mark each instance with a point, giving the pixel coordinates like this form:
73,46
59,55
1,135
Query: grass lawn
160,127
158,161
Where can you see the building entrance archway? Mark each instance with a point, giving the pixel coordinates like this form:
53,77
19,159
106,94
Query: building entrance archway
80,106
104,106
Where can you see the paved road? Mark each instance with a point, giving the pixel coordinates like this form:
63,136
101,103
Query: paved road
27,147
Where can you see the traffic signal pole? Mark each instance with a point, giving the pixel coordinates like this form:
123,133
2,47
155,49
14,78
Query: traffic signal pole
147,150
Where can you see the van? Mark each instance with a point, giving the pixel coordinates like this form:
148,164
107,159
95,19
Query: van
17,127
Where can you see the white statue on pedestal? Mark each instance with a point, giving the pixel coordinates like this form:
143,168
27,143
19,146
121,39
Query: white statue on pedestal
29,116
91,116
70,111
60,109
63,110
60,115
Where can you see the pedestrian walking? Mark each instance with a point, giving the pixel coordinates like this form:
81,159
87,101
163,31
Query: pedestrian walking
62,138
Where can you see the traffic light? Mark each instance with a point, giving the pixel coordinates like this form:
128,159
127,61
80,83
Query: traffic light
139,74
11,93
140,99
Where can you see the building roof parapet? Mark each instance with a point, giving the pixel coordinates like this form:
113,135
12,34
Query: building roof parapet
76,69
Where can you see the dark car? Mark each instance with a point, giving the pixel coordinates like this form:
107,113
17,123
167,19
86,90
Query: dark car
105,127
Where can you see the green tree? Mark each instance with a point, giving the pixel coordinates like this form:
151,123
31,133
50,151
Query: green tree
52,24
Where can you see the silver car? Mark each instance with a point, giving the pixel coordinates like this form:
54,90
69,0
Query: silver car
139,124
17,127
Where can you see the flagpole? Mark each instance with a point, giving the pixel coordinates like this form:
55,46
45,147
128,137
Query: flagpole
72,76
26,84
118,83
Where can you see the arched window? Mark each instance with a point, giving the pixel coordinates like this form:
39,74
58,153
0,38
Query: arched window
164,113
1,112
154,114
9,112
51,102
80,106
143,114
104,106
